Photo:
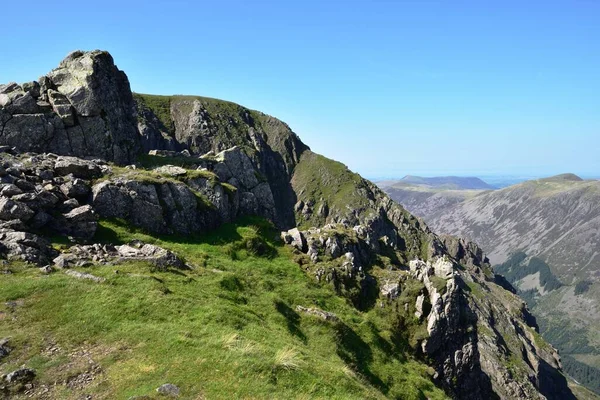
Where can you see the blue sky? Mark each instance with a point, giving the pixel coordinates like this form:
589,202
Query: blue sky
387,87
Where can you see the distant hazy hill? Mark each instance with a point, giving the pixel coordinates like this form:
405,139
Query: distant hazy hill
441,182
545,236
425,196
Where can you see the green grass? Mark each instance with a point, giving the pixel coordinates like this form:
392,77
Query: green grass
160,106
225,329
320,179
229,122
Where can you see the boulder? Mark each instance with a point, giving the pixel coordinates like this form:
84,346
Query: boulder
239,166
110,200
21,375
96,88
9,190
10,209
324,315
76,188
81,222
295,238
160,257
171,170
390,290
4,349
77,167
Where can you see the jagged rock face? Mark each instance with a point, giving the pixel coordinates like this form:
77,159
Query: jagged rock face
203,125
169,207
83,108
480,338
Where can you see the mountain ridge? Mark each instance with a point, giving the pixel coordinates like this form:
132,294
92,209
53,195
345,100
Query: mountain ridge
430,298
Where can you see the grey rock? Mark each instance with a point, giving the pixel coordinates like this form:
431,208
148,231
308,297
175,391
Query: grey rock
29,132
9,87
76,188
46,174
10,190
69,205
96,88
77,167
40,220
84,275
81,222
25,185
111,200
240,166
62,107
47,269
33,88
21,375
295,238
168,389
10,209
390,290
171,170
4,348
65,260
324,315
26,246
22,103
162,258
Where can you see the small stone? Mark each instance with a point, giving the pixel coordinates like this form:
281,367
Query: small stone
168,389
46,269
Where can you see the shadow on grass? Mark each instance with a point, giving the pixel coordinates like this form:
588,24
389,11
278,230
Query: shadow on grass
357,354
292,318
119,231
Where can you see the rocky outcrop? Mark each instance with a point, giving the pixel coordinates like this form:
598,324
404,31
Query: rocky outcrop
172,199
106,254
207,127
82,108
40,194
480,338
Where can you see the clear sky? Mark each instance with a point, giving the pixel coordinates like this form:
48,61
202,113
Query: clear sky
387,87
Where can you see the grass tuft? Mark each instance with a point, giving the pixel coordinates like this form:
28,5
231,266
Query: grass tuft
287,359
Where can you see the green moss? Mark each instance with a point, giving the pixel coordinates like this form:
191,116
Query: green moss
230,189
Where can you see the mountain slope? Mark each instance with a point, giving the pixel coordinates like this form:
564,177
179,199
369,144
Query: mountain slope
189,298
545,235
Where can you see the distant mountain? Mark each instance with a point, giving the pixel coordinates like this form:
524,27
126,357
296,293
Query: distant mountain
544,236
425,196
441,182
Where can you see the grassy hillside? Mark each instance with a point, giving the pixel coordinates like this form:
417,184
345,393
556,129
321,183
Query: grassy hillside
228,328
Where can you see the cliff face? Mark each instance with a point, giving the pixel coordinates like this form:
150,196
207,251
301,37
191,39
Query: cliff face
439,294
